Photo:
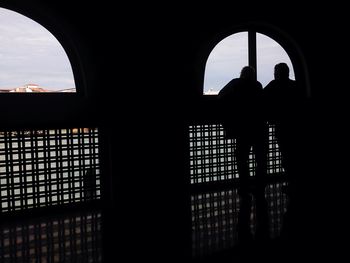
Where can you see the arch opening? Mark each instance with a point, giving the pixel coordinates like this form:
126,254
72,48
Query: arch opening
235,51
32,60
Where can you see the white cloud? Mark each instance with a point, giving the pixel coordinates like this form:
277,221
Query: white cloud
29,53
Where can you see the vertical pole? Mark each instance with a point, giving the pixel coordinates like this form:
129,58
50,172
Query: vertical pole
252,49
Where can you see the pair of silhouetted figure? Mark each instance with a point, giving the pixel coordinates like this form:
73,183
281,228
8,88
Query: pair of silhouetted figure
246,110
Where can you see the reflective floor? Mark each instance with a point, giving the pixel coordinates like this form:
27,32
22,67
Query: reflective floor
62,238
215,217
76,236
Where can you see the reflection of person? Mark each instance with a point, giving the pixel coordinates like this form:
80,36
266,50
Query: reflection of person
242,119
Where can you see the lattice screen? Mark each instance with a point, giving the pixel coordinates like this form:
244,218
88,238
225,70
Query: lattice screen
46,167
212,156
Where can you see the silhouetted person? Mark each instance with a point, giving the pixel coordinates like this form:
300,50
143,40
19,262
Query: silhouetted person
89,180
283,99
240,101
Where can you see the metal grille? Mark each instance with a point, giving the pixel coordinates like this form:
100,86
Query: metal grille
45,167
212,156
69,238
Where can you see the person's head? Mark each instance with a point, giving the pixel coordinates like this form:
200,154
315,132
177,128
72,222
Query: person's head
248,72
281,71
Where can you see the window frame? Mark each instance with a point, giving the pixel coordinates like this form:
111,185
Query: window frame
42,18
284,40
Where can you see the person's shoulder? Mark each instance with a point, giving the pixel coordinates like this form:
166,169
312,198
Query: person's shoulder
270,85
230,84
292,84
297,88
259,85
234,81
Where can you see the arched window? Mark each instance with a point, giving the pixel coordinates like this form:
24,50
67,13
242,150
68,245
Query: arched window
31,58
225,61
49,153
240,49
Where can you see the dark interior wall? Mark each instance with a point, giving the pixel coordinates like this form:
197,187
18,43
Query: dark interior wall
139,69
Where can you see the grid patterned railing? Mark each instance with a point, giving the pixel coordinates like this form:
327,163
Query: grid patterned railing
66,238
45,167
212,156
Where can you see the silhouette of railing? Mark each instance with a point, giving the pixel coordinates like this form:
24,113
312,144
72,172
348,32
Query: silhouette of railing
212,156
45,167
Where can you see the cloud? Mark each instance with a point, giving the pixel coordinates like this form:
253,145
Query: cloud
29,53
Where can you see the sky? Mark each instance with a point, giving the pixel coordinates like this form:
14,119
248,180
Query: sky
231,54
30,54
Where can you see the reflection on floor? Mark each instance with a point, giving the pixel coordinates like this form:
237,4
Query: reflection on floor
215,217
63,238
